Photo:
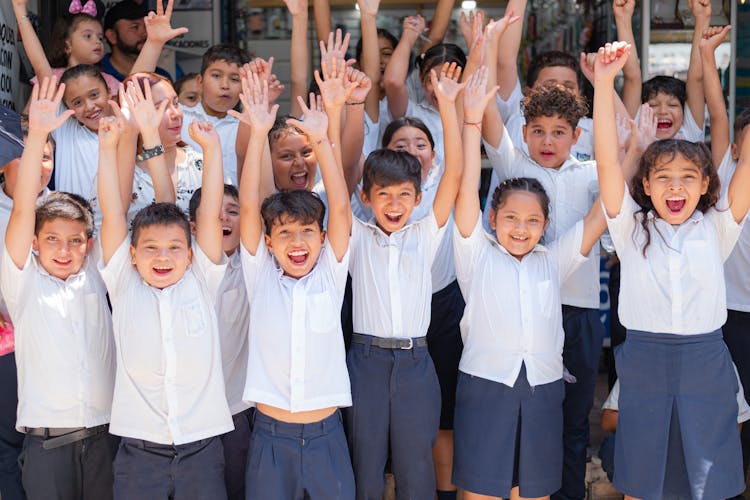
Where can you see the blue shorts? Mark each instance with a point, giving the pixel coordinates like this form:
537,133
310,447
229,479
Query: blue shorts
491,419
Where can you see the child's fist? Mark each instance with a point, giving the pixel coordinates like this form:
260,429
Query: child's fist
713,36
109,131
611,58
204,134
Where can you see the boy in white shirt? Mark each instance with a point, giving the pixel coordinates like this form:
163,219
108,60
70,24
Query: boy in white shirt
169,402
64,346
295,275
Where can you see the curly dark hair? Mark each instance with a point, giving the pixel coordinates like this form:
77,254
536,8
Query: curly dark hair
554,99
664,152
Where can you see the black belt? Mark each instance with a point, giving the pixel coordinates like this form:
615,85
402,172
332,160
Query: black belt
56,437
390,343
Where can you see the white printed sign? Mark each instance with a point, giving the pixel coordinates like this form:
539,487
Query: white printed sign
9,60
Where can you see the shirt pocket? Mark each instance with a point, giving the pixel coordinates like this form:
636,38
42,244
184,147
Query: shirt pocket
321,313
195,323
546,298
698,256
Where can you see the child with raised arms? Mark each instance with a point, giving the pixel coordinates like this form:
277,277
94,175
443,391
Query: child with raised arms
509,400
677,425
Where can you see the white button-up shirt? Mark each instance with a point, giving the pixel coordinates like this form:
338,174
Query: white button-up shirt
737,265
169,387
64,347
391,277
572,189
226,127
297,360
678,287
513,314
233,313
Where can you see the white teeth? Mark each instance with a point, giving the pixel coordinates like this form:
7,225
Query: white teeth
299,174
298,253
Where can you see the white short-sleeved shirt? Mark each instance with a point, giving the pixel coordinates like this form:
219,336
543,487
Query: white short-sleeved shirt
431,118
391,277
513,314
443,272
738,263
374,131
743,413
572,190
226,127
169,387
77,162
233,313
297,360
65,351
189,179
678,287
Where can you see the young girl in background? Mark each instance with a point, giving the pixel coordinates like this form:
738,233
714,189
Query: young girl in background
677,426
76,39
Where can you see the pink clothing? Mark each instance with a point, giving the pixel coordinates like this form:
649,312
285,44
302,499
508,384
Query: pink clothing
112,83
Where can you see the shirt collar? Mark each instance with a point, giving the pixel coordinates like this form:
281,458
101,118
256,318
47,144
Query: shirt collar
493,241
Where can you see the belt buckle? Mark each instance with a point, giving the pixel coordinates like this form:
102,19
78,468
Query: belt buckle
409,344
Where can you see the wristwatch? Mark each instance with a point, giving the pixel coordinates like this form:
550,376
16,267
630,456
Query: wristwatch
149,153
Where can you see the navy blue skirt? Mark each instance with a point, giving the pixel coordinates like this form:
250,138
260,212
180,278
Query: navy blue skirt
677,433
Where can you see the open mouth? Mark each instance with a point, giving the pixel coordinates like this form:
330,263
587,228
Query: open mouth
393,217
298,257
547,154
299,179
62,263
520,239
95,115
161,271
676,205
226,231
663,124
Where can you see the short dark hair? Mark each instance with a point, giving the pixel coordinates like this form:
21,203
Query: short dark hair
183,80
527,184
385,167
405,121
300,206
382,33
159,214
69,206
550,59
195,200
224,52
439,54
742,121
554,99
80,70
668,85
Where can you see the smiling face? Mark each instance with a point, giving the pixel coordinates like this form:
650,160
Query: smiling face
386,51
62,245
230,224
414,141
669,114
87,96
295,245
519,222
86,43
170,129
220,85
675,188
550,139
161,254
293,161
392,205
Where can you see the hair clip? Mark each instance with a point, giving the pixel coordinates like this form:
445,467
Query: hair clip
77,8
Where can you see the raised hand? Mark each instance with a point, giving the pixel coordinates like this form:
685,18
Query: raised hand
361,83
369,7
446,84
146,115
701,9
713,36
158,24
296,7
467,25
646,127
335,49
121,111
315,124
414,25
495,29
623,9
43,106
335,88
255,105
587,65
275,89
109,131
476,96
204,134
611,58
260,67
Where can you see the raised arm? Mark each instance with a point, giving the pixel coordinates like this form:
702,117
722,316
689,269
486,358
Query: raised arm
439,25
370,59
148,117
322,13
739,187
127,146
631,87
114,228
43,119
300,53
476,98
394,78
594,225
335,90
696,100
507,62
611,180
30,40
353,133
159,30
717,110
339,210
254,99
208,232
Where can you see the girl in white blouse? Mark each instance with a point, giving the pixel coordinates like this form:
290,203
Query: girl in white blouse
677,427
